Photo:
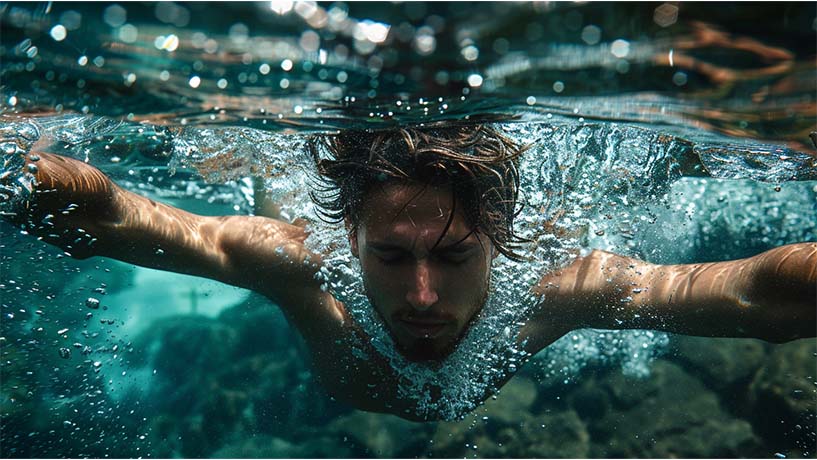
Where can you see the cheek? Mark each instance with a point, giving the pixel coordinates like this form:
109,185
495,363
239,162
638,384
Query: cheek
373,271
381,285
469,285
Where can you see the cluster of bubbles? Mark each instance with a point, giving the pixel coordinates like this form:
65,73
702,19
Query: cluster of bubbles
16,181
555,178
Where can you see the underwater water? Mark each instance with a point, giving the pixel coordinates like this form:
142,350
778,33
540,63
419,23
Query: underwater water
671,132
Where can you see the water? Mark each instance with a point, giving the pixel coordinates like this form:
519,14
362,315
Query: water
673,134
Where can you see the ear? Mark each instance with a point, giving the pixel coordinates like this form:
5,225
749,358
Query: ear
351,233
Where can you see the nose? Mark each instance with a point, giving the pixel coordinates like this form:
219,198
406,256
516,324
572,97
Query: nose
421,294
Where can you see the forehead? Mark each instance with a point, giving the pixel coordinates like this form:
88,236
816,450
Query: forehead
398,210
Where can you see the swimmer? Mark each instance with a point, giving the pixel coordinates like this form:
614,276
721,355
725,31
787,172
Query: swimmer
427,210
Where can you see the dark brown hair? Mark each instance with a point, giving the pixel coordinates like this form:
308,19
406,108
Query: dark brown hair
478,161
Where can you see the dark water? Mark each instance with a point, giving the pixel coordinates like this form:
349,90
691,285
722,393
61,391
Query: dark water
703,111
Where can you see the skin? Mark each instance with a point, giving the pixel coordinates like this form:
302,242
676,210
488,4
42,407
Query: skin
426,282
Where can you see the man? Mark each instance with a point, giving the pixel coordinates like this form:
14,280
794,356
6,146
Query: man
427,210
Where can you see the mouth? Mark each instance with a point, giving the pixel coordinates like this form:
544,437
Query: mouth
423,328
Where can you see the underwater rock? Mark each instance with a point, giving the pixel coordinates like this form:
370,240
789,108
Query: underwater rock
661,416
177,346
545,435
515,398
560,435
241,375
589,401
379,435
263,446
784,396
719,363
261,328
510,426
712,438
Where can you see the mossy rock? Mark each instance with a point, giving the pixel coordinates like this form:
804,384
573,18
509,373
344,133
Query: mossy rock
784,397
669,414
379,435
720,363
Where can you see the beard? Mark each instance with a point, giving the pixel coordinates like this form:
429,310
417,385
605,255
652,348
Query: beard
425,350
430,350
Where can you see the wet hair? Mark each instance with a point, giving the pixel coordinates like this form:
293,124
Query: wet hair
478,161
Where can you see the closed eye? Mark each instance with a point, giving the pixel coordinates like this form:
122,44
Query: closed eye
457,254
389,255
391,258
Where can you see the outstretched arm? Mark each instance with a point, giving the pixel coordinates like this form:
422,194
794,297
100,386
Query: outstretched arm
771,296
76,207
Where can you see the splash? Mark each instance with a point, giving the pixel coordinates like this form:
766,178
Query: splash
16,182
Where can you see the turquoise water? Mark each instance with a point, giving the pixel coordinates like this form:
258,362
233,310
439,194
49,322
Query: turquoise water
674,133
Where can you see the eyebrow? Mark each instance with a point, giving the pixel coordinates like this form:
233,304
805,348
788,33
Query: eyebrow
459,245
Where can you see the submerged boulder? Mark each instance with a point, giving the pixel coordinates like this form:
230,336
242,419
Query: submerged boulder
220,380
379,435
784,397
512,426
721,364
669,414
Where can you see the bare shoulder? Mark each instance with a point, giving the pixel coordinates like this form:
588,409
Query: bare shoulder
572,297
269,256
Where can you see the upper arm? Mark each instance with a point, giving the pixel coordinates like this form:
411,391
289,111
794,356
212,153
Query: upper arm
570,298
577,293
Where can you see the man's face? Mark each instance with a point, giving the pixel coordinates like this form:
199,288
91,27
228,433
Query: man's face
425,282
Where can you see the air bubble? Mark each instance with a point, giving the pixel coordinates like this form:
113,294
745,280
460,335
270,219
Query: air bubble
58,32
